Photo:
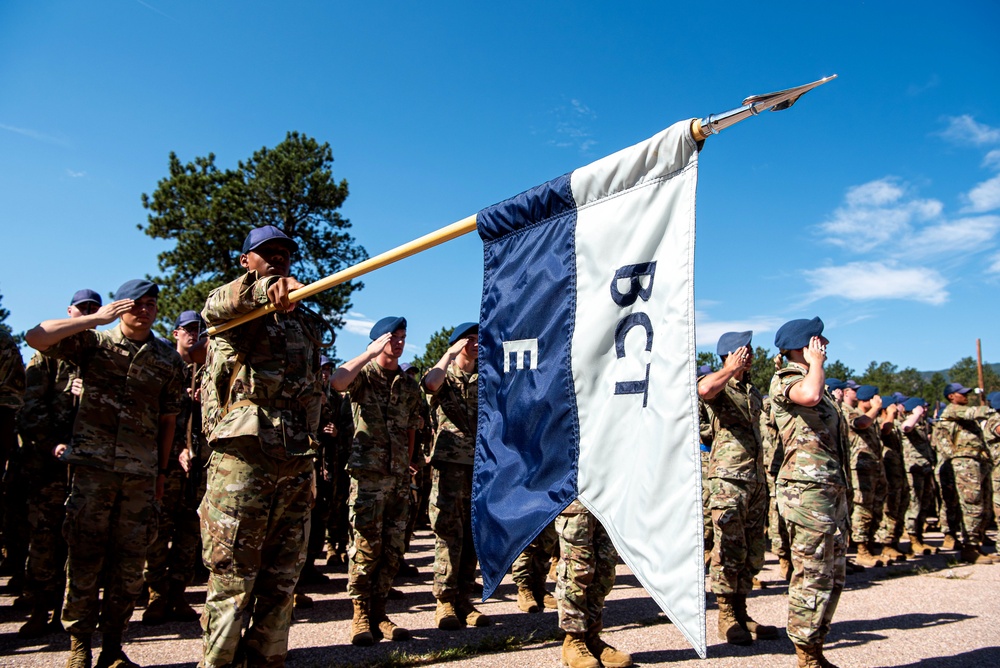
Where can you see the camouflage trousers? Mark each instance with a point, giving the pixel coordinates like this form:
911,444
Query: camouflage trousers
972,482
378,508
777,532
995,481
738,511
16,492
46,571
870,488
816,516
532,566
255,520
897,499
706,493
110,521
173,555
921,498
586,570
450,508
338,529
950,512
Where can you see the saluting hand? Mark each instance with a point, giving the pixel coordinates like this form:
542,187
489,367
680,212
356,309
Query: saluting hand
378,345
815,353
112,311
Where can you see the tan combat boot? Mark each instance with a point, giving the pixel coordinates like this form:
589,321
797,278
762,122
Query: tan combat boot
890,552
866,558
809,656
361,634
386,628
575,653
605,653
179,609
730,629
545,600
79,651
785,568
971,555
759,631
950,543
918,545
112,654
37,624
446,617
526,600
158,610
468,613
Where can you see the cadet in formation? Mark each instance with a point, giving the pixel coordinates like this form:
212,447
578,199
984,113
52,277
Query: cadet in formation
121,442
897,488
261,399
738,498
861,408
45,425
385,402
918,458
812,486
453,387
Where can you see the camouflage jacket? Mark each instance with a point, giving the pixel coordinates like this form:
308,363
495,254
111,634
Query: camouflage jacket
46,419
865,443
736,448
958,433
276,393
917,450
127,387
774,452
11,373
336,410
814,437
385,408
189,420
705,431
456,407
992,439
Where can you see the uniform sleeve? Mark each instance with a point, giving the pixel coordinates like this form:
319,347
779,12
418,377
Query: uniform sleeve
236,298
39,380
172,394
74,348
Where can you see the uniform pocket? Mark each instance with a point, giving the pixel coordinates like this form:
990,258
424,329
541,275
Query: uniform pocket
801,598
218,530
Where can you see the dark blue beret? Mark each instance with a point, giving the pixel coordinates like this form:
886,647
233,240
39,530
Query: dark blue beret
387,324
186,318
866,392
463,330
795,334
81,296
704,370
261,235
994,399
730,341
912,403
896,398
951,388
835,383
850,385
138,287
324,360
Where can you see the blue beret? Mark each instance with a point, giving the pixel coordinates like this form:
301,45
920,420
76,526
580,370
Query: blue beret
795,334
407,368
324,360
704,370
835,383
387,325
138,287
951,388
850,385
994,399
463,330
912,403
261,235
866,392
896,398
81,296
730,341
186,318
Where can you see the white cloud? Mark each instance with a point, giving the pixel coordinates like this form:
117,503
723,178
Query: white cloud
965,129
708,331
994,267
867,281
984,197
75,175
358,324
32,134
992,159
875,213
963,235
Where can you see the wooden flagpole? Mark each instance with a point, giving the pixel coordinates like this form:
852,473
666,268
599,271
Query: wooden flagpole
701,129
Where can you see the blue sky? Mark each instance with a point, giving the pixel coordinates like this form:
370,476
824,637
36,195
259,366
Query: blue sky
874,202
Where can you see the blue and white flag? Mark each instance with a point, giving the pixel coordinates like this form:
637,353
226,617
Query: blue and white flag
587,369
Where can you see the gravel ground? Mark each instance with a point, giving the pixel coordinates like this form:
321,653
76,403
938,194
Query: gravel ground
929,612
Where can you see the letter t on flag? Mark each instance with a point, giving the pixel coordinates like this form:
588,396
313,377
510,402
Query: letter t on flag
586,369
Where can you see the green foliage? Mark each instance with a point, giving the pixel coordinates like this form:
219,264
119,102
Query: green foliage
208,212
4,314
882,376
710,359
434,350
762,369
965,372
839,370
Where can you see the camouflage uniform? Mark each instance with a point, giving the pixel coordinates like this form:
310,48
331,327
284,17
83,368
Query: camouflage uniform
738,485
993,444
46,421
261,401
774,452
110,514
918,458
867,477
706,435
385,407
338,529
959,437
897,487
171,559
812,498
11,398
586,570
456,406
531,566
